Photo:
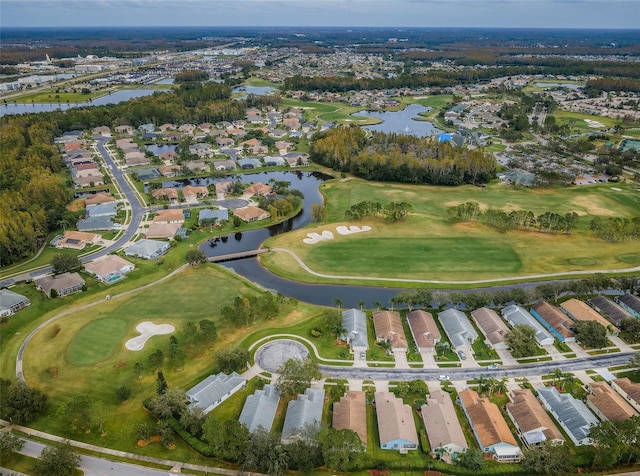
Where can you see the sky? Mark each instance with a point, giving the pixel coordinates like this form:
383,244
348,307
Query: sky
391,13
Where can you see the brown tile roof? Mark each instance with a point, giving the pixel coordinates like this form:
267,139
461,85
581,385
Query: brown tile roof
388,326
490,426
81,235
632,390
98,198
251,213
581,311
440,420
161,230
170,193
350,414
395,419
258,189
609,403
490,323
529,415
197,190
107,265
168,216
555,317
423,328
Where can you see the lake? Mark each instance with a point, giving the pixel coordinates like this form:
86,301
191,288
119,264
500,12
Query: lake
161,149
402,122
575,87
256,90
112,98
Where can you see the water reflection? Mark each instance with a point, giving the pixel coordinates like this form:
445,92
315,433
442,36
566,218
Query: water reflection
402,122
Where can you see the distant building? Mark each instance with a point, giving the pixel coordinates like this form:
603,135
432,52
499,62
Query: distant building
214,390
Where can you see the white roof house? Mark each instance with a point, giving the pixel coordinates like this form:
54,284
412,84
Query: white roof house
573,415
260,408
305,410
355,323
11,302
458,328
214,390
147,249
516,315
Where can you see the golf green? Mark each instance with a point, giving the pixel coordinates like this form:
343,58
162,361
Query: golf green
402,256
96,341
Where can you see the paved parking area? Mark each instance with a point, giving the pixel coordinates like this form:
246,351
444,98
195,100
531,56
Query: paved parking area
273,354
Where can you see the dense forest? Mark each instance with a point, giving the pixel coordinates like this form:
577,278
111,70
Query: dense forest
400,158
33,194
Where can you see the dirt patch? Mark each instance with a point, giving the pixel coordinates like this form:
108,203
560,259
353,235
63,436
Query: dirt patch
590,207
76,205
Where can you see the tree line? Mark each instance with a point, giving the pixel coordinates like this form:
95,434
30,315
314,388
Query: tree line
548,222
393,211
400,158
616,228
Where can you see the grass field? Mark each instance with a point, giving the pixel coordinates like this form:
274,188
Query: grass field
565,116
96,341
427,247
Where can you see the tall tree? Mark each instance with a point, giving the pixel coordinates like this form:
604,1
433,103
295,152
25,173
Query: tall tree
522,341
9,443
591,334
161,384
295,376
63,263
547,458
56,461
20,403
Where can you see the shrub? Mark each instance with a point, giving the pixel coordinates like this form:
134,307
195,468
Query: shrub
316,333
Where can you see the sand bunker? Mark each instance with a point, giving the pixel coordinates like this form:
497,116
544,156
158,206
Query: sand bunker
147,330
313,238
593,124
350,230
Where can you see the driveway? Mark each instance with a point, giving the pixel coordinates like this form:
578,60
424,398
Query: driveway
401,359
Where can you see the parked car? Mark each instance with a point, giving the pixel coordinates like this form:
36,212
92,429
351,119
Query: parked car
462,355
492,366
362,356
444,378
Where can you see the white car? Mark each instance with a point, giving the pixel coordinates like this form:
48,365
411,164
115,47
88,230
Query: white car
444,378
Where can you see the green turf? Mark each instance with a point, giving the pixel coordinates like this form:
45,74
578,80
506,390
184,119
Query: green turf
391,256
96,341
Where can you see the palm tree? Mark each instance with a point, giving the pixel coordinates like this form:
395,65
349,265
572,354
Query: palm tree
557,375
484,385
442,347
501,385
377,305
361,304
567,381
337,302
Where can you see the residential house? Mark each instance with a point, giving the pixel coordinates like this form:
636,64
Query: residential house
458,328
147,249
198,167
63,284
350,413
355,324
554,320
103,131
86,170
77,240
250,214
136,157
147,173
108,209
224,164
295,159
629,390
612,311
580,311
396,426
388,328
193,193
607,404
573,416
167,127
254,146
98,198
492,326
489,427
306,410
170,170
533,423
187,128
424,330
95,223
224,142
630,303
11,302
109,269
516,315
170,194
214,390
207,216
274,161
201,149
259,409
161,230
446,438
259,189
125,130
171,215
249,163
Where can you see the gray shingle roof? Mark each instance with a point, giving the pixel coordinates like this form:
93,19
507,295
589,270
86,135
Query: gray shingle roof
260,408
211,391
208,214
9,299
306,410
574,415
95,223
458,327
149,249
516,315
102,209
355,322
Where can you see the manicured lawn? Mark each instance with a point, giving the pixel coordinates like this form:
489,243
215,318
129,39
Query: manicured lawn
565,116
96,341
426,246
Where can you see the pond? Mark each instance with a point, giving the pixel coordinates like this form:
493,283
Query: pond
161,149
575,87
256,90
402,122
111,98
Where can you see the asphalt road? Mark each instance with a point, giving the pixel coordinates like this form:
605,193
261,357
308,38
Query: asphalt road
521,370
92,466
